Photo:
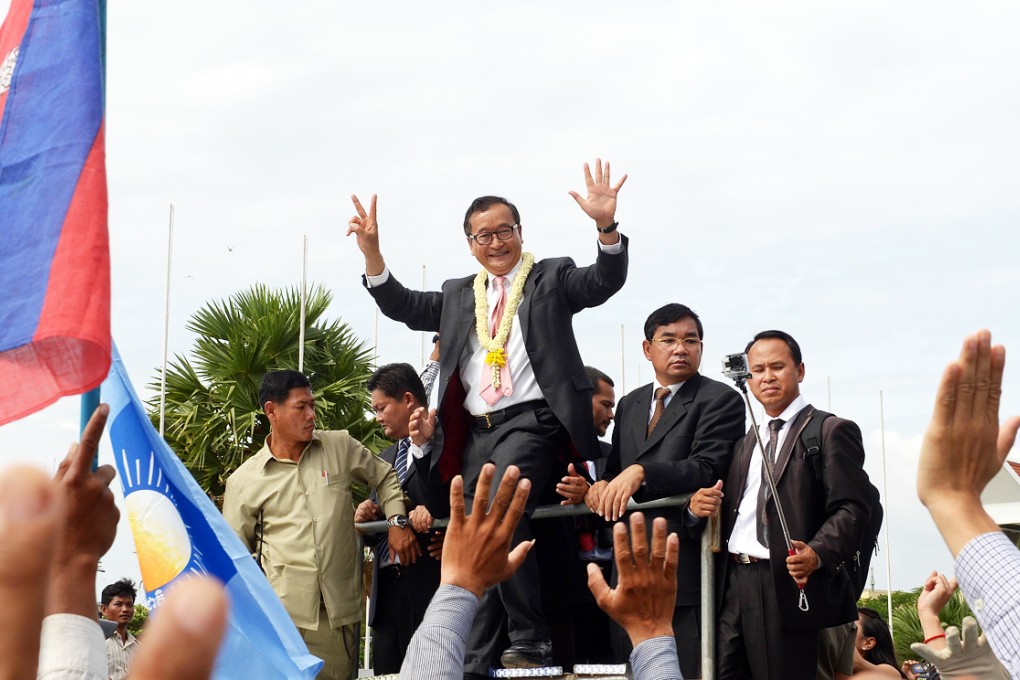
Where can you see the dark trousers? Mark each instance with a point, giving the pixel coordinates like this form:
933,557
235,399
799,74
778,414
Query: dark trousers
752,641
402,596
531,441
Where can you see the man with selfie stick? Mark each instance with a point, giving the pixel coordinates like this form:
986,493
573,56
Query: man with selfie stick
766,628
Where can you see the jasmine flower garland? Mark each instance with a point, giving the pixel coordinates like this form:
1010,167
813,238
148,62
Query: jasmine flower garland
495,345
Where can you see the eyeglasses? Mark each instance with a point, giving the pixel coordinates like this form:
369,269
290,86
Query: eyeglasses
504,233
690,344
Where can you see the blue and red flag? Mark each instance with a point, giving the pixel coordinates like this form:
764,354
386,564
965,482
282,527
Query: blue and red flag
54,245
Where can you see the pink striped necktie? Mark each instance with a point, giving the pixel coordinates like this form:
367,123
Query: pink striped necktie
489,393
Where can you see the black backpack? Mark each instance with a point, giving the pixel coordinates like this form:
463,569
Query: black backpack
811,436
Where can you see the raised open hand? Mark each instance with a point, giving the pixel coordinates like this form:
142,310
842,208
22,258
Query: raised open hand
600,204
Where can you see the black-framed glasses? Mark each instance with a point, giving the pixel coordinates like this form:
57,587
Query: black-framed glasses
504,233
670,344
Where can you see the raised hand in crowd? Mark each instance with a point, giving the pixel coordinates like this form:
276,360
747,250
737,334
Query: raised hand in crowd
51,532
477,554
573,487
644,597
964,447
935,593
366,230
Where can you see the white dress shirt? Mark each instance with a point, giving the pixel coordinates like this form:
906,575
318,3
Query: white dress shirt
744,538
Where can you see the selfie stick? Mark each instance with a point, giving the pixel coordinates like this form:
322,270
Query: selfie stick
741,380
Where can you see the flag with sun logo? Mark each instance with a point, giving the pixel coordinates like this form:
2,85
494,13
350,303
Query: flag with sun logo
178,531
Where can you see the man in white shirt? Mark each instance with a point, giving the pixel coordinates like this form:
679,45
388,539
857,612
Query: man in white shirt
766,629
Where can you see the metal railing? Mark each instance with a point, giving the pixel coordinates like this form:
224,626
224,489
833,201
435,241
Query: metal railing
710,542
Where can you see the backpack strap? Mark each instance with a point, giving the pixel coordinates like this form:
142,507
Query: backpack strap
811,436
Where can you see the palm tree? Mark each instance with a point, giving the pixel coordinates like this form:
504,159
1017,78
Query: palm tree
213,419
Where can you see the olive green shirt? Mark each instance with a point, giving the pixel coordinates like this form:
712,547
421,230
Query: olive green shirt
310,551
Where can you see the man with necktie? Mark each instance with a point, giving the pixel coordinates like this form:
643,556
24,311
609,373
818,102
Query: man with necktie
512,386
767,630
400,591
671,437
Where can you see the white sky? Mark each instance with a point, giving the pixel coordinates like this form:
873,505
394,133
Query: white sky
844,171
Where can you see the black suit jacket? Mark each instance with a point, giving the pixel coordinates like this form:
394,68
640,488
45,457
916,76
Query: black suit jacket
829,513
690,448
420,579
554,292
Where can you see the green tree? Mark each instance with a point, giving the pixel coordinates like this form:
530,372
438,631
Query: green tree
213,419
139,619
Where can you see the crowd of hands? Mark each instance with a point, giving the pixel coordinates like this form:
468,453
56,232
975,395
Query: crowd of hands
54,531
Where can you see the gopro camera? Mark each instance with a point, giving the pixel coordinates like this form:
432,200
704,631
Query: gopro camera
735,367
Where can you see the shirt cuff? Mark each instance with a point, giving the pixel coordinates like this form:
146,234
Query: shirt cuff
378,279
612,249
656,658
71,644
420,452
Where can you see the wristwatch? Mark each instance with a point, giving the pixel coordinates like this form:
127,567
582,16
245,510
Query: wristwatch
397,521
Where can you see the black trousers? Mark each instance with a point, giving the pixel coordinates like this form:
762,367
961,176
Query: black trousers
532,441
752,641
402,596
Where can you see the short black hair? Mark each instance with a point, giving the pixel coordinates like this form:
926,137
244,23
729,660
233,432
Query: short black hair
595,375
779,335
276,386
483,203
122,588
671,313
395,380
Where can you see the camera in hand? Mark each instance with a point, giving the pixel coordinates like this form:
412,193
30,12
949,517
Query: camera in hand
924,671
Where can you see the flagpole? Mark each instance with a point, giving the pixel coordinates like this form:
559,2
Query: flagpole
423,332
885,493
166,322
90,399
623,373
304,292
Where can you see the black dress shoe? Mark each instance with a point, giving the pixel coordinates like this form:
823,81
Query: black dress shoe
527,654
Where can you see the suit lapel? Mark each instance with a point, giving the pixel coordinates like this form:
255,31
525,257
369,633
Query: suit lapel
524,309
637,422
800,421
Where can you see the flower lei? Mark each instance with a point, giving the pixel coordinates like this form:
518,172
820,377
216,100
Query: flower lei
496,356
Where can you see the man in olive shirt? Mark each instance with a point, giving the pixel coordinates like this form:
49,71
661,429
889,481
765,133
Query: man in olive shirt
291,505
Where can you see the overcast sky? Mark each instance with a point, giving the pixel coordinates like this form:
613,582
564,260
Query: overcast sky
844,171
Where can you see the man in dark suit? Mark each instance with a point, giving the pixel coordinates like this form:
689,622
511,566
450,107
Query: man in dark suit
400,592
512,387
673,436
766,629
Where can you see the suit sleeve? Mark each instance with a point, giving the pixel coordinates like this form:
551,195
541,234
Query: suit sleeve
419,310
613,459
591,286
846,488
370,469
720,425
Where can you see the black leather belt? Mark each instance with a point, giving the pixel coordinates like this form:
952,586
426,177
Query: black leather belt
741,558
493,419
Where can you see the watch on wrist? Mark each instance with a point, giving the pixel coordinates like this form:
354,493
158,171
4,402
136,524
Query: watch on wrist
608,230
397,521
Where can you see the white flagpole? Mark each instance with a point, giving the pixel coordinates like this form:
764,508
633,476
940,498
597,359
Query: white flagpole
166,323
885,494
375,347
304,293
623,372
423,332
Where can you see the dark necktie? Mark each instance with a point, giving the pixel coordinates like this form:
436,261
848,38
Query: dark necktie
400,465
775,425
660,405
